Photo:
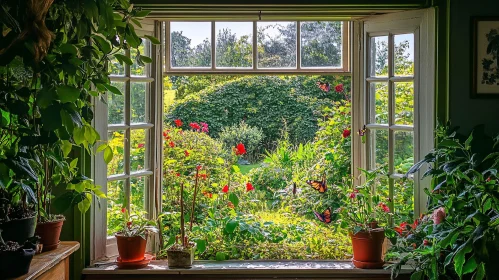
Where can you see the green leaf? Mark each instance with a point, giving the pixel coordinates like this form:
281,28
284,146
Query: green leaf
27,189
101,148
234,199
418,275
69,48
73,163
142,13
459,257
112,89
67,93
449,144
79,135
104,44
480,272
145,59
201,245
467,143
91,135
123,58
45,97
231,226
220,256
108,154
470,265
51,117
153,40
84,205
99,193
236,169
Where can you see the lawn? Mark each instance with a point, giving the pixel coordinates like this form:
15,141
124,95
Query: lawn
246,168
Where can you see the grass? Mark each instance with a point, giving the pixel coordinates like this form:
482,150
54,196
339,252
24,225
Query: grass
245,168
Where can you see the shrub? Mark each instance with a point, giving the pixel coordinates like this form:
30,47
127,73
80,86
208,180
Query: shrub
250,136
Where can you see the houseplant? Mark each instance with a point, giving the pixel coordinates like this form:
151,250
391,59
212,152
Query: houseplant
459,235
132,238
16,258
53,61
366,217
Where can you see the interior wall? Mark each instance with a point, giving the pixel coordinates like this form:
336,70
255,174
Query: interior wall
463,110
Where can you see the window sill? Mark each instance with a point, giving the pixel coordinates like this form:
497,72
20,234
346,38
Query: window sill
244,270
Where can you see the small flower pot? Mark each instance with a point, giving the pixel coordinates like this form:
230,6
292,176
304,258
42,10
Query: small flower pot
19,230
368,248
49,233
15,260
131,249
181,257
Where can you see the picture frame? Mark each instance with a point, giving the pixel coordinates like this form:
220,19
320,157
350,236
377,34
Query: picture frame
485,54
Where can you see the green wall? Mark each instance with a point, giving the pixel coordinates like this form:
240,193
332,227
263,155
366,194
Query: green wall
464,111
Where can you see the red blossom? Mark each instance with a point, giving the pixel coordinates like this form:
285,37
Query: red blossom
488,180
141,145
240,149
346,133
203,176
249,187
353,195
129,224
178,123
384,207
207,194
338,88
195,126
426,242
177,174
186,153
414,245
165,134
204,127
171,144
198,167
225,189
123,210
230,205
400,229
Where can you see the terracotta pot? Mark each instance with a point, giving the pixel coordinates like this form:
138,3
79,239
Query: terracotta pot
368,248
131,249
19,230
49,233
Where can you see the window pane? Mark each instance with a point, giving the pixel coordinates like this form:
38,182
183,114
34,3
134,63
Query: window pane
137,188
404,103
403,200
115,202
321,43
116,105
138,92
116,140
138,146
404,54
378,54
190,44
379,103
115,68
276,44
379,141
139,68
404,151
234,47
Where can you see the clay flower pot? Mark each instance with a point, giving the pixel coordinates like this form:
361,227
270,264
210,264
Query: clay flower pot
368,248
49,233
19,230
181,257
131,249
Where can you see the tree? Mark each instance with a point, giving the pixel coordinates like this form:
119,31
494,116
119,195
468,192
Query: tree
233,52
180,50
321,43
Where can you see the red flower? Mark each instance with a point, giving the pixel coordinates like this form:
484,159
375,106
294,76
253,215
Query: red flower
240,149
488,180
400,229
384,207
230,204
249,187
171,144
353,195
198,167
123,210
426,242
346,133
208,194
225,189
141,145
128,224
178,123
338,88
165,134
195,126
204,127
177,174
186,153
203,176
414,245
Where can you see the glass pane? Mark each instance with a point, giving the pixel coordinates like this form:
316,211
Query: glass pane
404,54
403,201
139,68
404,103
137,187
404,151
234,46
115,68
190,44
379,142
378,55
116,105
383,188
379,103
321,43
276,44
116,140
115,202
138,145
138,92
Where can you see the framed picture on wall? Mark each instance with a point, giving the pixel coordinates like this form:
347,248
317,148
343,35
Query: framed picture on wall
485,55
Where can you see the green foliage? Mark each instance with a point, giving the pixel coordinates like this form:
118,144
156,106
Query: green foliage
251,137
135,225
458,236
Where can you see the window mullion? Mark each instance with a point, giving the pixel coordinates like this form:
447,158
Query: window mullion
391,118
127,111
213,45
255,46
298,45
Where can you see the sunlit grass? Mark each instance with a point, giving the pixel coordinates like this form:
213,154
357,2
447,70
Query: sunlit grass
246,168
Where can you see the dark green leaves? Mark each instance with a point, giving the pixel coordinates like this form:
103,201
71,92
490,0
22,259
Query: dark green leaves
51,117
123,59
234,199
459,257
67,93
201,245
153,40
231,226
103,43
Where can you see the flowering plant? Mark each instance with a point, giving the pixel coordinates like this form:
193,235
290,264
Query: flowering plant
136,225
362,210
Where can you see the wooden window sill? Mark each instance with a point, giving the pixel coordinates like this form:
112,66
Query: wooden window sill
243,270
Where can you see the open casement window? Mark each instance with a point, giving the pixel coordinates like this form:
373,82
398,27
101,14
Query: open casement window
393,98
262,47
128,123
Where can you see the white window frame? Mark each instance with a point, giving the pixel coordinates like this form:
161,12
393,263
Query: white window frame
345,54
422,24
105,246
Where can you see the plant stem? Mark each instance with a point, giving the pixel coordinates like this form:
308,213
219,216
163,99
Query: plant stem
182,229
194,199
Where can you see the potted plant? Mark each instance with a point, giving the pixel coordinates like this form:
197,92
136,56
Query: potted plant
17,214
366,217
16,258
132,239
